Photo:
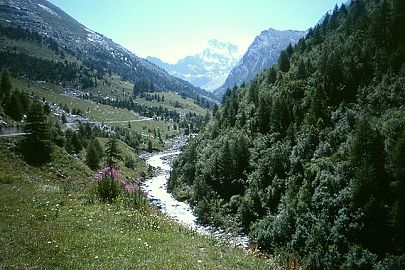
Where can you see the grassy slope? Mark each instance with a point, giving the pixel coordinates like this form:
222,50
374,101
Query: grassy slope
49,222
115,87
94,111
126,151
32,49
186,104
91,110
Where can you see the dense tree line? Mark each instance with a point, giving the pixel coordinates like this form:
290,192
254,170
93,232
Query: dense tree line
142,87
309,157
13,103
66,73
145,89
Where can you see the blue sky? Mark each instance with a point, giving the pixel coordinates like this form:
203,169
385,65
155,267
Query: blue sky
172,29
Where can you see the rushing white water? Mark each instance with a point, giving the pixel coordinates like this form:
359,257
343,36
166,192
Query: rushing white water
156,189
157,193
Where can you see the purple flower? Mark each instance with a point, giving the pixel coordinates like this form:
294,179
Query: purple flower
130,188
108,172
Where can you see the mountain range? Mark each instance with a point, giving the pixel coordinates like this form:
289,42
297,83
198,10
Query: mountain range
93,49
208,69
261,54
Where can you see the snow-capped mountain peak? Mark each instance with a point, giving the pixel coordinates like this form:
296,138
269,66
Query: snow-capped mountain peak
207,69
221,49
261,54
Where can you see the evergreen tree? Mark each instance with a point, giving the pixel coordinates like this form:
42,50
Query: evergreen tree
5,86
207,117
13,106
57,135
37,146
99,149
76,143
225,169
263,115
302,72
92,156
284,61
370,185
112,152
150,147
397,214
271,75
25,101
68,141
215,109
63,119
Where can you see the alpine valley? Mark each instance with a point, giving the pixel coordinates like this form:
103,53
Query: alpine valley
76,112
290,156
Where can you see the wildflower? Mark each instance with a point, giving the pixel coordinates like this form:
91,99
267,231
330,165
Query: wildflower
107,172
108,180
129,188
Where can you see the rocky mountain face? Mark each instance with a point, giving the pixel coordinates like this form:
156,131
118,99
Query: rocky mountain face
208,69
93,49
261,54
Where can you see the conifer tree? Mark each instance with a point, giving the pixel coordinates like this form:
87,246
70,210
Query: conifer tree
284,62
13,106
92,155
370,185
37,146
397,214
63,119
76,143
5,86
112,152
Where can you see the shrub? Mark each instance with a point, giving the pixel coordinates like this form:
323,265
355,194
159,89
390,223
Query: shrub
108,184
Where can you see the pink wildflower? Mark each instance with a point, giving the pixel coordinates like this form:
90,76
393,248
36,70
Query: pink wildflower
108,172
130,188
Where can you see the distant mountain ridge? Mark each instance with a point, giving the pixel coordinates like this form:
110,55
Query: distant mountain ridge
261,54
93,49
208,69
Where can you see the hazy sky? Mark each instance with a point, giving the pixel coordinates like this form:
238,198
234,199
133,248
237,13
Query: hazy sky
172,29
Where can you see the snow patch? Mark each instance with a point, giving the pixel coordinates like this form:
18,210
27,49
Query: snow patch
89,30
47,9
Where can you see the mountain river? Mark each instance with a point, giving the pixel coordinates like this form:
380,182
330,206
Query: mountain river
181,212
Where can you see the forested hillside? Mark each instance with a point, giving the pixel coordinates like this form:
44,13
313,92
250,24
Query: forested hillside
309,158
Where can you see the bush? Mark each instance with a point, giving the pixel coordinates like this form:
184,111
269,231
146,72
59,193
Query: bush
359,258
392,262
108,184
